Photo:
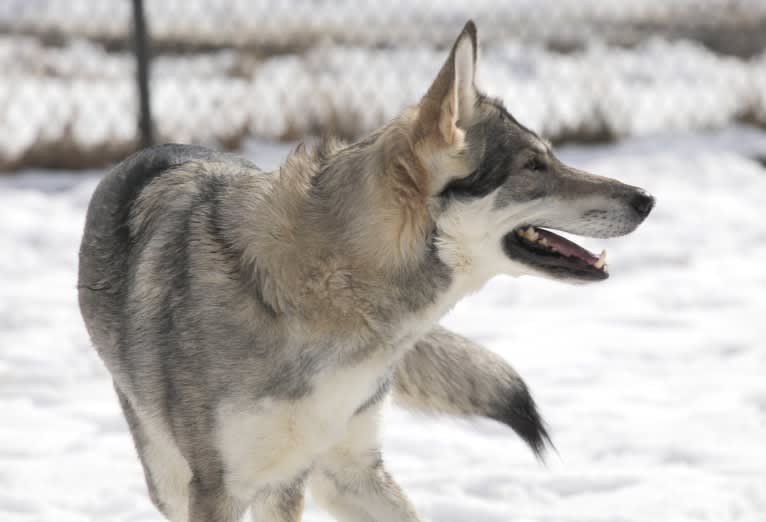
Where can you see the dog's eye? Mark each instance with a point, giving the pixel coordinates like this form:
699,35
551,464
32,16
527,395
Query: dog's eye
535,164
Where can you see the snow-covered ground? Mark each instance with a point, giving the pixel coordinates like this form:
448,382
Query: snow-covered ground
654,382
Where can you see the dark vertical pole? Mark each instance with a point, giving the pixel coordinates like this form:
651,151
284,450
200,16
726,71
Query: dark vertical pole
141,42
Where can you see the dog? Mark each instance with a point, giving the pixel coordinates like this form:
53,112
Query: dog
255,323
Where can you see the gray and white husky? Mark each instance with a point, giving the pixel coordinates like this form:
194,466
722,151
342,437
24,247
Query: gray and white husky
255,322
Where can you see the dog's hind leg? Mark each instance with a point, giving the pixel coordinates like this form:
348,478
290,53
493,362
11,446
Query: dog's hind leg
166,471
351,482
279,504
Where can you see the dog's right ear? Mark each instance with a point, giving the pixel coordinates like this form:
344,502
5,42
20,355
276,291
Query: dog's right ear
452,96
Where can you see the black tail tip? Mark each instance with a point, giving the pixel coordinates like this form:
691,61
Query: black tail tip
519,412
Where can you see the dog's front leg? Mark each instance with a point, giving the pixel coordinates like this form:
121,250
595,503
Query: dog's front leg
210,502
351,482
279,504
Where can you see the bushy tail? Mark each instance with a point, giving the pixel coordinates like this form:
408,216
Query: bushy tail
446,373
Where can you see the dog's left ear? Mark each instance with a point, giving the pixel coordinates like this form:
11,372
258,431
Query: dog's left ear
452,96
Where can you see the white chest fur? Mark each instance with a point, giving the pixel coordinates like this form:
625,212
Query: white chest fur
273,441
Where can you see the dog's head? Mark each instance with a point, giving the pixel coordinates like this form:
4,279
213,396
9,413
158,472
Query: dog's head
496,189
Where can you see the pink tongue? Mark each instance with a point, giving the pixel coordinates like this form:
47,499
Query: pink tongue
567,248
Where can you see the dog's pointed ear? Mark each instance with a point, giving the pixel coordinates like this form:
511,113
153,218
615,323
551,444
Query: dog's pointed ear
452,96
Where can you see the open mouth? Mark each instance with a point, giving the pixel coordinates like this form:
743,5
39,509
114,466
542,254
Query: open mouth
549,252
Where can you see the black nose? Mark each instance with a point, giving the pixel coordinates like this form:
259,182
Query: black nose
643,202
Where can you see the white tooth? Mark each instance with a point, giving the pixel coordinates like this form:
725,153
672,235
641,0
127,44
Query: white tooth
544,242
601,260
530,234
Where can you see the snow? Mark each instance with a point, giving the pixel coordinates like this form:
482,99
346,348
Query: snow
652,382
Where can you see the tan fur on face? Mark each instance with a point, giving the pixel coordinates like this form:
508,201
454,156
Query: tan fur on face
407,185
